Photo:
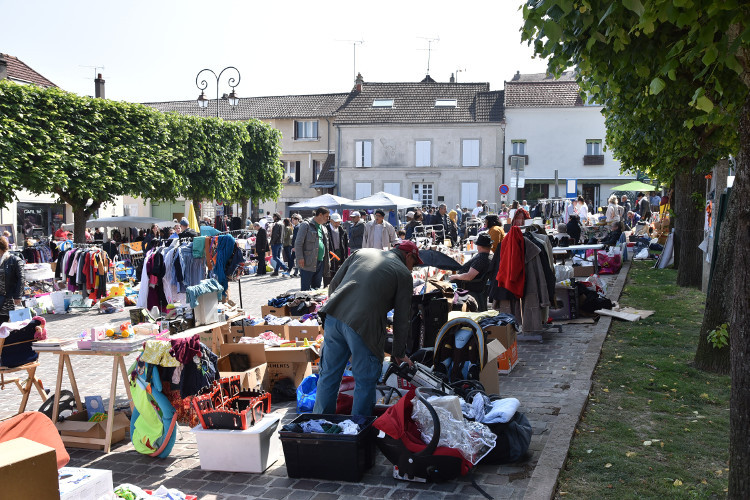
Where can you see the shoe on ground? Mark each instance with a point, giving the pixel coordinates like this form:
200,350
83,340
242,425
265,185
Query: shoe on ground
286,275
274,274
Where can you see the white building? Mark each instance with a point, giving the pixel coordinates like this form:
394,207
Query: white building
428,141
554,130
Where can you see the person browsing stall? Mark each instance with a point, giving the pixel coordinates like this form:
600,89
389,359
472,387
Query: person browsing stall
369,284
379,233
473,275
339,243
356,232
12,280
311,249
261,248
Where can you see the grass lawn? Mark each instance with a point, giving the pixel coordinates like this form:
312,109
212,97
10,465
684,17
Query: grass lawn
654,426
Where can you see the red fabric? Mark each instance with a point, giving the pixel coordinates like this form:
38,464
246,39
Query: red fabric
398,424
345,400
36,427
511,274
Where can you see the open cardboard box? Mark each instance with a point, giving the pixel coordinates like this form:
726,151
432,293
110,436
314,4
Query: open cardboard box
276,311
255,377
303,332
507,336
290,362
254,331
488,376
76,430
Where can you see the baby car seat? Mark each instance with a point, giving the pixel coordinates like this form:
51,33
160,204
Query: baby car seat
460,350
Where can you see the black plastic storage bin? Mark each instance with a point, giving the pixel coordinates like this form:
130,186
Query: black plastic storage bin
334,457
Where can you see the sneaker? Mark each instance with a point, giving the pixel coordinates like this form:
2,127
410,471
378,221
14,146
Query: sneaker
286,275
275,273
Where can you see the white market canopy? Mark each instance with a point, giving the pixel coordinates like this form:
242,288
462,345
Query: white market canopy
324,200
127,221
382,200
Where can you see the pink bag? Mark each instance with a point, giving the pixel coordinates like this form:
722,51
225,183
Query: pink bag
609,264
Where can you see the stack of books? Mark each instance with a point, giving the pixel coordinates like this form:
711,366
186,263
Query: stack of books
51,344
127,344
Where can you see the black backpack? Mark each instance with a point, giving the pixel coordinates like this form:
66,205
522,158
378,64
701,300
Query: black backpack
513,439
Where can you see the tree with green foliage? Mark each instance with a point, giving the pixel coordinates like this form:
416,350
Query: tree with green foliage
207,154
701,47
261,171
86,151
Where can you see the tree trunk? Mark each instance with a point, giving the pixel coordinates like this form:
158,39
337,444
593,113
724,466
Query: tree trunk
739,326
719,297
245,207
197,208
256,210
689,218
79,225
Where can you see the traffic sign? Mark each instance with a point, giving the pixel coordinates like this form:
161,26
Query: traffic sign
504,189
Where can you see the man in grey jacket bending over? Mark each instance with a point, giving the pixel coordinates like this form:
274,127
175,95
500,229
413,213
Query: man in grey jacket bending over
369,284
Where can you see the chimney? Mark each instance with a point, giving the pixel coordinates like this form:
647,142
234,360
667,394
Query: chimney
453,78
358,82
517,76
3,67
99,87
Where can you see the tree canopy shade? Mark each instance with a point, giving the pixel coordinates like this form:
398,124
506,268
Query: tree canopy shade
90,151
674,77
261,171
87,151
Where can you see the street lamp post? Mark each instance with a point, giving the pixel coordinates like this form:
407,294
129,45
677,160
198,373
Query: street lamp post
203,84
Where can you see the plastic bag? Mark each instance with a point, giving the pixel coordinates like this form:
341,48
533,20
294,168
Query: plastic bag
112,305
642,255
595,282
609,262
472,439
563,273
306,394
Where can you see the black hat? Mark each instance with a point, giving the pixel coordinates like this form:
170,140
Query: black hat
484,240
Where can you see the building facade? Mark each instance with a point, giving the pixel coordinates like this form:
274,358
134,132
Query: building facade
554,130
428,141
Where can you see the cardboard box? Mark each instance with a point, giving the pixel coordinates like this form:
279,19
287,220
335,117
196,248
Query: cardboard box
303,332
27,470
290,362
236,333
507,336
583,271
252,450
207,311
254,331
85,483
276,311
76,430
488,376
255,376
567,299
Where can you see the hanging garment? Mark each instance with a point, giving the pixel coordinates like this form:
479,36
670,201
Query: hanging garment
535,296
511,272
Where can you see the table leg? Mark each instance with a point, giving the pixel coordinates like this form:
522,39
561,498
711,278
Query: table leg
111,410
73,384
217,339
27,390
40,388
58,385
126,381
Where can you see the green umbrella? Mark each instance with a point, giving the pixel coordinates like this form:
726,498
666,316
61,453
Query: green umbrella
634,186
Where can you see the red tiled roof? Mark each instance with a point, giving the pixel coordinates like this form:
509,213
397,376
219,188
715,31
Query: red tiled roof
21,72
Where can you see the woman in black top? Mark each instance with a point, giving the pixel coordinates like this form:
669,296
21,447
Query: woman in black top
473,275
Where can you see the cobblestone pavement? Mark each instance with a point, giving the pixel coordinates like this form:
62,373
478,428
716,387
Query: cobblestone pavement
551,380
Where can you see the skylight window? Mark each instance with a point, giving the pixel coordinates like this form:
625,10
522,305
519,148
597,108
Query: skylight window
382,103
446,103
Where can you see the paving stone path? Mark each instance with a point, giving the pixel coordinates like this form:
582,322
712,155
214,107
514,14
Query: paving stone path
552,381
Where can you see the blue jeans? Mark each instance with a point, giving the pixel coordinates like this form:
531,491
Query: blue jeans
276,258
312,279
340,343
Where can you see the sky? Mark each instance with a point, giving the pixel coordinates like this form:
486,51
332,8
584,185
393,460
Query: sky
152,51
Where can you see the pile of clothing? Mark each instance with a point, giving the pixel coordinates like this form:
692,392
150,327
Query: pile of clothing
350,426
300,303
